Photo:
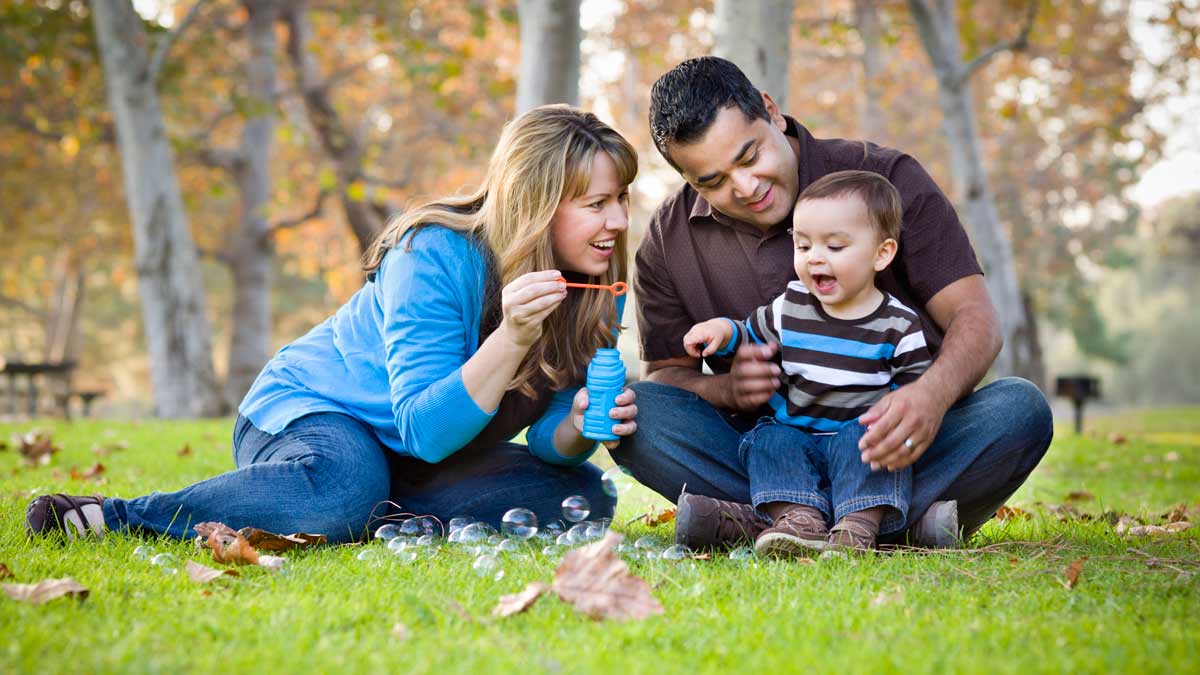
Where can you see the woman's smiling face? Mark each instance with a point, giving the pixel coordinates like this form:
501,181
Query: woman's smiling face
585,229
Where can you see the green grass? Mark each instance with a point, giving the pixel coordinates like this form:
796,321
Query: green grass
999,606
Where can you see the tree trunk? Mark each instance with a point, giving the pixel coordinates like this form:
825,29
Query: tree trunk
550,37
169,283
870,33
344,148
938,29
757,37
252,253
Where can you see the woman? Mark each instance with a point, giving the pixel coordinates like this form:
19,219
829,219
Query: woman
463,335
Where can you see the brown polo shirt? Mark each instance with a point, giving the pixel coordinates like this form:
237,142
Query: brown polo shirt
696,263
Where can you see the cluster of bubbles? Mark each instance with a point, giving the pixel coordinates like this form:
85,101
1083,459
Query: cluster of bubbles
167,563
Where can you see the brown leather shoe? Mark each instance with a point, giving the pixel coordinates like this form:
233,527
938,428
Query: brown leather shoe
798,532
850,535
703,522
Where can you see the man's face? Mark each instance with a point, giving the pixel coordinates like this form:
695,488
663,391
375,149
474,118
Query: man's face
744,169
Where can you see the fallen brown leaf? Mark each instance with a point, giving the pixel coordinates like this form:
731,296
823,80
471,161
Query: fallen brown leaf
1178,526
1148,531
185,450
599,584
235,552
1080,496
269,541
5,572
519,602
1126,523
654,517
1006,513
203,574
94,470
45,591
1117,438
1177,513
1073,571
36,446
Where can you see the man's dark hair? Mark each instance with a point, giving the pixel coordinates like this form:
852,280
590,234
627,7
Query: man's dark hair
686,99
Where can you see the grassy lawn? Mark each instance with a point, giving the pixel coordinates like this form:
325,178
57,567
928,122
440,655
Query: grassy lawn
999,606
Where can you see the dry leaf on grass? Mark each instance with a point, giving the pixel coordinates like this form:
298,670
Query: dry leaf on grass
1006,513
185,450
1080,496
45,591
1073,571
1117,438
235,552
519,602
269,541
203,574
5,572
654,517
36,446
599,584
1178,526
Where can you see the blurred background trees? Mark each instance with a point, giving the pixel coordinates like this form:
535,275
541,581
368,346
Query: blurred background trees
295,129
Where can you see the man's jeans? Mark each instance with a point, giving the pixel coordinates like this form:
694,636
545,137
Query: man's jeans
988,444
785,464
326,473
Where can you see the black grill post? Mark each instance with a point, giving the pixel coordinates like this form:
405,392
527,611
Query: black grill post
1078,388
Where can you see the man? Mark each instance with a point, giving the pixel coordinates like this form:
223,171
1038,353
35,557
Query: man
719,246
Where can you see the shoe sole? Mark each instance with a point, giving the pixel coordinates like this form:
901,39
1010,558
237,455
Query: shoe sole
786,545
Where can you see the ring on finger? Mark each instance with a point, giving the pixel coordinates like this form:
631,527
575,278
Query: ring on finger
908,443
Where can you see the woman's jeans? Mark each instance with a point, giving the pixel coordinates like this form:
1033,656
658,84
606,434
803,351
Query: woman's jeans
988,444
825,471
327,474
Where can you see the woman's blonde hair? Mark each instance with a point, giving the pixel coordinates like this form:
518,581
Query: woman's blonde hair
543,157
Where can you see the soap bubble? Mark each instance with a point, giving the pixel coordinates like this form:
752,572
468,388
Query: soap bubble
142,553
406,555
564,539
519,523
552,551
494,539
421,526
648,545
488,565
616,481
473,533
578,534
166,562
371,555
509,546
397,544
575,508
427,540
596,530
741,553
676,552
387,532
459,522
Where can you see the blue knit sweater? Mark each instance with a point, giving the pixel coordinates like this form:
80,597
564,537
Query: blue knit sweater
392,357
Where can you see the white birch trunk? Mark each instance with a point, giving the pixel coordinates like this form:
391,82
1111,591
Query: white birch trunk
252,255
938,29
756,35
550,37
169,283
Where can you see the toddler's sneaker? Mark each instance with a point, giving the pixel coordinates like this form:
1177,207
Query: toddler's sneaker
74,516
796,533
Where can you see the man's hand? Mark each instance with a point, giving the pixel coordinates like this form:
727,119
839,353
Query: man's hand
754,376
910,414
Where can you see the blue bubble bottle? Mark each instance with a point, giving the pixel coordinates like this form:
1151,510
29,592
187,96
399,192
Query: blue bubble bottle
605,379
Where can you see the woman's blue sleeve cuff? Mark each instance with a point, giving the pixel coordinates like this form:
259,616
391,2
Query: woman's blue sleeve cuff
442,432
541,433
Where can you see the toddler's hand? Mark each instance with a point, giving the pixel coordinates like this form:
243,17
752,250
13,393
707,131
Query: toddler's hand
705,339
